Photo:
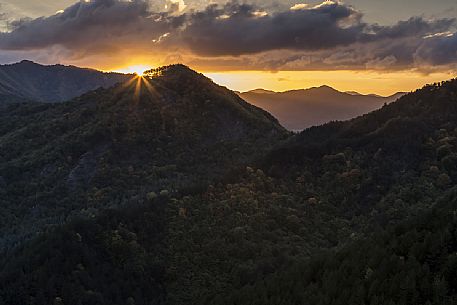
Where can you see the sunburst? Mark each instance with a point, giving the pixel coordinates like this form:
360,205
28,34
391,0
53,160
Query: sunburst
135,69
138,83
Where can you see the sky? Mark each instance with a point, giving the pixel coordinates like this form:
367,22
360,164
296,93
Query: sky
363,45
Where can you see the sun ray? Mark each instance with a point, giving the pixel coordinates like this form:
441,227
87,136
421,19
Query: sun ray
149,87
138,83
137,92
127,83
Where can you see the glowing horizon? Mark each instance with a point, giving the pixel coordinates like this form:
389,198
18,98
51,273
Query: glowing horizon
137,69
353,45
364,82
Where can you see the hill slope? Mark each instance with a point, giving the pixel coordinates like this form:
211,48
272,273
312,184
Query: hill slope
412,263
28,81
325,188
300,109
285,230
114,146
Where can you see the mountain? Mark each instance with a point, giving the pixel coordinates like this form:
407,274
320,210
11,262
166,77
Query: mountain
173,190
262,91
300,109
392,174
329,188
29,81
111,147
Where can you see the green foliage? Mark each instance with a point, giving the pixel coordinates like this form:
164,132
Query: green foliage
146,199
115,258
413,263
110,148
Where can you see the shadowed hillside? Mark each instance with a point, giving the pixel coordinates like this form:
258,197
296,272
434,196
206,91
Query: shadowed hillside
28,81
112,147
168,212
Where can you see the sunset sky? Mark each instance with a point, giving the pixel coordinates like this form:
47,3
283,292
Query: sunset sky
370,46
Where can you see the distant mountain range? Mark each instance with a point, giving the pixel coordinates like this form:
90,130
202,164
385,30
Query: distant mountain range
29,81
299,109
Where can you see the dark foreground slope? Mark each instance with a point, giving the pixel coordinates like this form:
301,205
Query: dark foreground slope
391,174
358,212
326,188
412,263
28,81
118,257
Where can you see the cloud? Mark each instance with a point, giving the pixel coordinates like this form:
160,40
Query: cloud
299,6
330,35
413,27
236,29
95,25
176,5
438,50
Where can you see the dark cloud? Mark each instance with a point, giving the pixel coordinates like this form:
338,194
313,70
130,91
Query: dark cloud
415,26
438,50
241,29
238,29
331,35
98,24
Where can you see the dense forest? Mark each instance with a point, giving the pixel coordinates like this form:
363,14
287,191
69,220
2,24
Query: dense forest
115,147
411,263
169,189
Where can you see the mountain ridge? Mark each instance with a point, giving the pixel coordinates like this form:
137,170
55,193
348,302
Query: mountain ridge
302,108
326,87
30,81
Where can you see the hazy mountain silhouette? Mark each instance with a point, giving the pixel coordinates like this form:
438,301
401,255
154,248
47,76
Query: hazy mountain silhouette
29,81
299,109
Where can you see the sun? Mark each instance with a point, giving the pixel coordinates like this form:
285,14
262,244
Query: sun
136,69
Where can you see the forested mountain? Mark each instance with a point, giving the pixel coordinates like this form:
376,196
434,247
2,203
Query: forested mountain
29,81
173,190
326,188
392,174
300,109
115,146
